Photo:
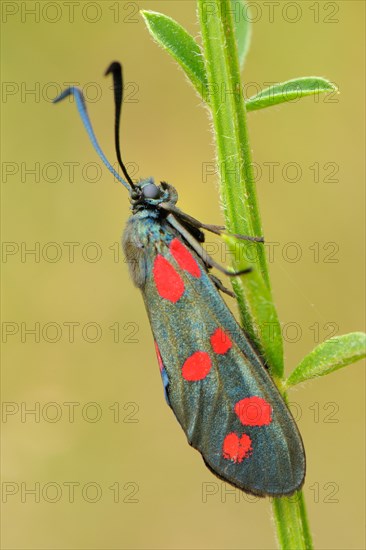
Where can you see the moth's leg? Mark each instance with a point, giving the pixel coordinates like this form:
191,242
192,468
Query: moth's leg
217,229
219,285
183,217
194,231
210,262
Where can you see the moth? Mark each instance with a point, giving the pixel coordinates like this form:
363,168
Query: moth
214,381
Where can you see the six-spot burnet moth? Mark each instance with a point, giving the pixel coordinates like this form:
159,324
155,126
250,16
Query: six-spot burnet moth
215,382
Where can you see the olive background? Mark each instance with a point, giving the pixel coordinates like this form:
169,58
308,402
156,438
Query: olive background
109,464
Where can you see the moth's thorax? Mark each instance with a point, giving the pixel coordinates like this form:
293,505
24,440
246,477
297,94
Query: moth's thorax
145,232
147,195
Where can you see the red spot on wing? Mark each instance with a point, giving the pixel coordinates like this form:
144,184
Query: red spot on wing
220,341
160,361
168,282
184,258
197,366
237,448
254,411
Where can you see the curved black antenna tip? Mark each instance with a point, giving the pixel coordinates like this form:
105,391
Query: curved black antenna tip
114,67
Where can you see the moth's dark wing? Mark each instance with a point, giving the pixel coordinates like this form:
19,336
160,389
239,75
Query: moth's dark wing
275,464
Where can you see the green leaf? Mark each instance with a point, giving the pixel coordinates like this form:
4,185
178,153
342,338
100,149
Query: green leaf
180,44
259,315
333,354
291,90
242,28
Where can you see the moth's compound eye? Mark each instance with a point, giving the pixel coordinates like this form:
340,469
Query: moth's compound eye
151,191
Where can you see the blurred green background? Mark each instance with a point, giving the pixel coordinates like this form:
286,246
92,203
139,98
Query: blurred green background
107,462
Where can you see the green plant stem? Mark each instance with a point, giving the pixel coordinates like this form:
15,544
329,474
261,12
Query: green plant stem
229,119
236,176
239,196
292,523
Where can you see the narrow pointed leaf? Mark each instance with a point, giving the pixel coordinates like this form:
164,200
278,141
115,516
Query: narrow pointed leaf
242,28
333,354
291,90
259,315
181,46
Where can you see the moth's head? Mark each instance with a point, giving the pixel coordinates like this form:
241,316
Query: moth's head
149,190
146,193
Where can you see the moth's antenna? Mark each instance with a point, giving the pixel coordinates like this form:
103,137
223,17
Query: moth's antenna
81,106
115,69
